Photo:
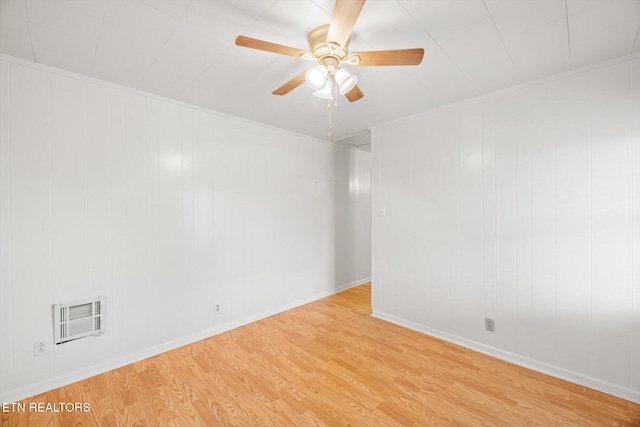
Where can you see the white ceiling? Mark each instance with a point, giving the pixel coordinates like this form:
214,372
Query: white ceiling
184,49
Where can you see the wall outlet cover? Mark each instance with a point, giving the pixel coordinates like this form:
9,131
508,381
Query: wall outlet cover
40,348
489,324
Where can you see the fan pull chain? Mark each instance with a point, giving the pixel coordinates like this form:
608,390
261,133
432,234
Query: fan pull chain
330,125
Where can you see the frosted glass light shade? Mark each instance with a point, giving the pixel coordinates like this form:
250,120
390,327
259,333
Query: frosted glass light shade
316,77
326,92
345,81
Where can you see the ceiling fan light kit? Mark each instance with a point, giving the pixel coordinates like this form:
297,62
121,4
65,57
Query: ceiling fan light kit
323,82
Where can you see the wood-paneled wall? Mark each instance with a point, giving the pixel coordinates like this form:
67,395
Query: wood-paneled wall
165,209
523,207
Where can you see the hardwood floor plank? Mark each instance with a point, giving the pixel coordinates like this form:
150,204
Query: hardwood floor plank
328,363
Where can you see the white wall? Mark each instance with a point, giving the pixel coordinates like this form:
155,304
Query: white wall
164,209
353,216
523,207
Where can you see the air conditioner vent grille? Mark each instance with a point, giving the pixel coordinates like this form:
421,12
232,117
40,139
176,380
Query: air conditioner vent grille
78,319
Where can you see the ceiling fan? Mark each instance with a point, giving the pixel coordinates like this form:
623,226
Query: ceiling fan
329,48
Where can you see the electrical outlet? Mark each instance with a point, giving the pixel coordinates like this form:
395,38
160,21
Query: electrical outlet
217,309
489,324
40,348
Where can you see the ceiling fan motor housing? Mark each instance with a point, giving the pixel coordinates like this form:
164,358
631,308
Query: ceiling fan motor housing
321,49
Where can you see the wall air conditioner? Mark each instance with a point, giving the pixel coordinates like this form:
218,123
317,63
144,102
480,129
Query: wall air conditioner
78,319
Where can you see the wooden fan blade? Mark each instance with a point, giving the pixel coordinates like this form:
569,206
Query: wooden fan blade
269,47
290,85
345,14
389,57
354,94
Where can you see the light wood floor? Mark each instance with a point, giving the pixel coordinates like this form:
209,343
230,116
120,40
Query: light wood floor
328,363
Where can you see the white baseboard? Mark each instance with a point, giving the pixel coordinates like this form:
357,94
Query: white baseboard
535,365
63,380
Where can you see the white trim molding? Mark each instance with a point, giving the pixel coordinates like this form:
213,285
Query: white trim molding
525,362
